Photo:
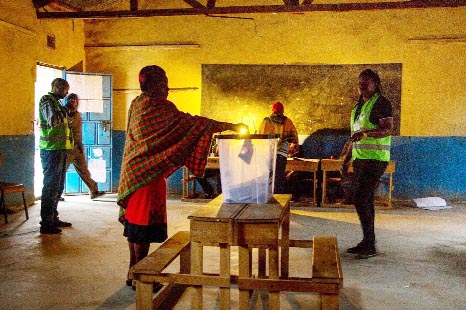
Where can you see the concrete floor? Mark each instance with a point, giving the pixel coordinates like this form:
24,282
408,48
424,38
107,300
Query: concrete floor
421,265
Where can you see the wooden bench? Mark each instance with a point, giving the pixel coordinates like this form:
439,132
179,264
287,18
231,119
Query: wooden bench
149,271
327,276
326,269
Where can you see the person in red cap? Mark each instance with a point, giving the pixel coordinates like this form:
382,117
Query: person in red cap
159,140
278,123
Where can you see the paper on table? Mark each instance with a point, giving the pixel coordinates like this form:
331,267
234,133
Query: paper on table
430,203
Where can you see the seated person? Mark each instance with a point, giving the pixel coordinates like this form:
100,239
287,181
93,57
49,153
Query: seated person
288,145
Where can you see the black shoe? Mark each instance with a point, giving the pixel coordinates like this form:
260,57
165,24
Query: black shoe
49,230
62,224
356,249
61,199
94,195
209,196
366,253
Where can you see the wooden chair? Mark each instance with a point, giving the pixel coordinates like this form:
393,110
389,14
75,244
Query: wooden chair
9,188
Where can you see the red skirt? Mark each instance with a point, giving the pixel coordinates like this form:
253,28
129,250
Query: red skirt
146,213
148,204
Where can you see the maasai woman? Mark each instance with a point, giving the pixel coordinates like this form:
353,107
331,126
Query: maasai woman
159,140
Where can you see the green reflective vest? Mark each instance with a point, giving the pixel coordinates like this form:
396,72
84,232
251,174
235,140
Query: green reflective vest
58,137
369,147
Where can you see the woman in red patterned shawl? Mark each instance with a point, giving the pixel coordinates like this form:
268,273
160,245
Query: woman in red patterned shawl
159,140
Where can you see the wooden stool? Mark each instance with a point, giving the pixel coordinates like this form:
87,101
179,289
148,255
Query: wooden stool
9,188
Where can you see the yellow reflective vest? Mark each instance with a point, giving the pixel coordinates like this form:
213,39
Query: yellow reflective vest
58,137
368,147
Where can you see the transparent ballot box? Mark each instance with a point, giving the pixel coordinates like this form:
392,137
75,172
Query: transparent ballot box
247,167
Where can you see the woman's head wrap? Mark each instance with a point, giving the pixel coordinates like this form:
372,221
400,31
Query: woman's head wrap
277,107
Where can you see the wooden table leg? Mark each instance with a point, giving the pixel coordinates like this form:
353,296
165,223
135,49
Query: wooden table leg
244,272
330,301
196,269
143,296
262,255
274,297
224,272
285,245
324,188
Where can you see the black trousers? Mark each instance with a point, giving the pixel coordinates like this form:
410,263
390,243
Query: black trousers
207,188
280,175
366,177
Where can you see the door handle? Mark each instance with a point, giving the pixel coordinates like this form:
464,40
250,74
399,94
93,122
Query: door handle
105,125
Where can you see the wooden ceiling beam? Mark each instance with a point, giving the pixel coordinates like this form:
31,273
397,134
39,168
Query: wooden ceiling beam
133,5
195,4
58,5
291,2
211,4
413,4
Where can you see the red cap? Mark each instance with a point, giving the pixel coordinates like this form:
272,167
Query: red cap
277,107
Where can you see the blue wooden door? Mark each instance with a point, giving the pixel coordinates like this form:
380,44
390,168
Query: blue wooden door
95,105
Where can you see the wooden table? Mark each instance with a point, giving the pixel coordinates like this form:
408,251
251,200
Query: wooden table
334,165
264,226
306,165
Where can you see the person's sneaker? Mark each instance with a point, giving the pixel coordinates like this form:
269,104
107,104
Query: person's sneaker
62,224
94,195
366,253
356,249
58,223
209,196
49,230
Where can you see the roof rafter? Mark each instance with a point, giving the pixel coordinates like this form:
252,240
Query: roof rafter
195,4
211,9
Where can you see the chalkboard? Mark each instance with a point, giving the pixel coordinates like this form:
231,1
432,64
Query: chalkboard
315,97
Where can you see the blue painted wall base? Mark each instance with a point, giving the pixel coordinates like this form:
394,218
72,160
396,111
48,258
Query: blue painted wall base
425,166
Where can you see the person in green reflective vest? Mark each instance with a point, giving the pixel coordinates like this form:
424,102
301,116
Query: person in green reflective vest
371,127
55,139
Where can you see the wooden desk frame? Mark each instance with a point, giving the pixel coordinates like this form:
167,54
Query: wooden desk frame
306,165
246,226
334,165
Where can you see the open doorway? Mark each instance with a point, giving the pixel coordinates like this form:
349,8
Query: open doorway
95,93
44,77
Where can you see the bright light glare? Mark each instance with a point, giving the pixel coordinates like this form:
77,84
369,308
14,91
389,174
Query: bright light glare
243,131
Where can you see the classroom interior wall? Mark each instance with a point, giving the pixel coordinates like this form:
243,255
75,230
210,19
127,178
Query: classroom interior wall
24,44
429,43
429,48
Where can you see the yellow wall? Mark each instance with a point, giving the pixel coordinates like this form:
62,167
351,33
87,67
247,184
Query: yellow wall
431,45
24,43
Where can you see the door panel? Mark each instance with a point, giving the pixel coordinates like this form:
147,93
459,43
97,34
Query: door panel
95,94
103,134
89,133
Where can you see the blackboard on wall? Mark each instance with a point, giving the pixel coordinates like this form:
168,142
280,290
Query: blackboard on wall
315,97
